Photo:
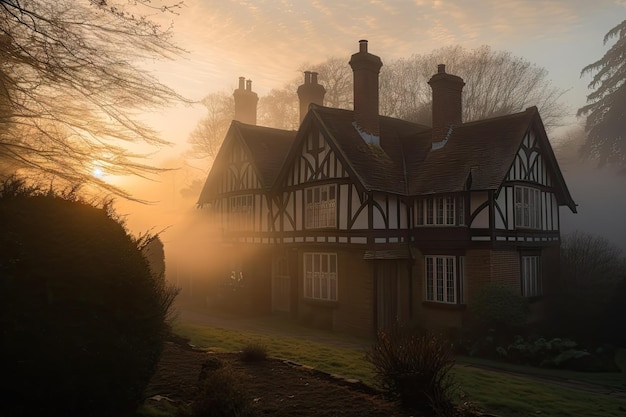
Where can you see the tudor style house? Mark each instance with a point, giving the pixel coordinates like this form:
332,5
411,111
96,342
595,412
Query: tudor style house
356,221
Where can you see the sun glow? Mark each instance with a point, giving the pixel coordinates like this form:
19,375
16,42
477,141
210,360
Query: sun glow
97,171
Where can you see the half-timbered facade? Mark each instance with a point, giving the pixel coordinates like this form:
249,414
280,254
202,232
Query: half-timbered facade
357,221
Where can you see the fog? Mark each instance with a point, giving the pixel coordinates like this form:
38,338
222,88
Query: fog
185,230
598,191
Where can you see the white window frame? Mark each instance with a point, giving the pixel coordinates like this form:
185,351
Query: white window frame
444,278
241,212
437,211
530,269
321,206
320,276
527,207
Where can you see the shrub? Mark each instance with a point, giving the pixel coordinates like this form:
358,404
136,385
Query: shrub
82,319
543,352
254,352
415,368
220,393
499,306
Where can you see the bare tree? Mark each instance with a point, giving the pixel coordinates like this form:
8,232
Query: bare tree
588,259
496,83
279,108
207,137
336,76
72,86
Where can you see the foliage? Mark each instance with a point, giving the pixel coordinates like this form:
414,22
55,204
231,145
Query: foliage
499,306
254,352
71,85
82,319
606,106
221,393
414,368
543,352
591,289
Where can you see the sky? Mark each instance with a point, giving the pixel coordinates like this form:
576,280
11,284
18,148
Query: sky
268,40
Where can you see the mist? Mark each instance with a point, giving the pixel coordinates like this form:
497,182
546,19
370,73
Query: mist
186,231
597,190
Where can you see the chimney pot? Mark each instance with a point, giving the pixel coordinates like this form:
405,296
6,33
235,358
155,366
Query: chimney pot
363,45
441,68
314,78
241,82
307,77
249,85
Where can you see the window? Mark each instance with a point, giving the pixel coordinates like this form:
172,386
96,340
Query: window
320,276
240,212
439,211
444,279
527,207
531,276
321,207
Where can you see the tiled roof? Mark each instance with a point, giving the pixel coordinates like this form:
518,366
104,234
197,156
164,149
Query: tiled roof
485,149
379,168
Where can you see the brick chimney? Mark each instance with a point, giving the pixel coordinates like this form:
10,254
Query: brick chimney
447,102
245,102
310,92
366,67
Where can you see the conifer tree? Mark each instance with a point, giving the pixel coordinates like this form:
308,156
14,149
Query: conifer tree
606,106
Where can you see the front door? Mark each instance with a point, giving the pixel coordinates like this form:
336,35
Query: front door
386,294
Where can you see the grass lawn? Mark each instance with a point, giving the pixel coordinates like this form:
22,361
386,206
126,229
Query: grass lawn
496,392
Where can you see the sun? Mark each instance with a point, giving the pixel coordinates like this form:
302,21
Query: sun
97,171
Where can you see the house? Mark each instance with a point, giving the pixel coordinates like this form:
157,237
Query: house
356,221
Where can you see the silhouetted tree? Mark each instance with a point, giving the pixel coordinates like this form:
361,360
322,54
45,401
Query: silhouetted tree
207,137
71,85
606,106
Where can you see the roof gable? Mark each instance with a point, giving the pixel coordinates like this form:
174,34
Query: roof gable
264,148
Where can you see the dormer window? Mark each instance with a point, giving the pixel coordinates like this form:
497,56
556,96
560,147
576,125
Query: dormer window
321,207
527,207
